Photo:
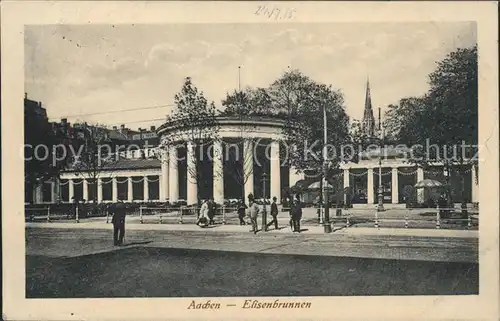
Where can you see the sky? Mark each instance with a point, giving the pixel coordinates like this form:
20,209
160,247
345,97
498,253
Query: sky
77,70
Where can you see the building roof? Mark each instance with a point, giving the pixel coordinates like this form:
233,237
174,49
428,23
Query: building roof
133,164
124,164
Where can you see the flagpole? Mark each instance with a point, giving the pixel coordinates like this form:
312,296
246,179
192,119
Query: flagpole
239,78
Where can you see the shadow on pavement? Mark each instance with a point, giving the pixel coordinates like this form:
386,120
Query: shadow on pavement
137,243
176,272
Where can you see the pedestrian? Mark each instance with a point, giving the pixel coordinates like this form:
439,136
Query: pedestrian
274,214
118,221
297,214
211,211
241,212
253,211
203,217
291,211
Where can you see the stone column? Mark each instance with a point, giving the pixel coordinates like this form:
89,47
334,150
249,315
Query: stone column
130,192
173,174
248,159
370,191
99,183
146,188
85,190
395,186
192,177
275,171
114,196
71,190
420,191
38,195
218,173
347,180
475,185
53,192
164,183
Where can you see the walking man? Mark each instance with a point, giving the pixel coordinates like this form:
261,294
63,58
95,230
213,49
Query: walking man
211,211
274,214
291,211
241,212
253,211
297,214
118,221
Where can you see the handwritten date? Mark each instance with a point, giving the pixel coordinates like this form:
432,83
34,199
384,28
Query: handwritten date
275,13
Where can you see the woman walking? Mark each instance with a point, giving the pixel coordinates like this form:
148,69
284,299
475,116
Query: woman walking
203,217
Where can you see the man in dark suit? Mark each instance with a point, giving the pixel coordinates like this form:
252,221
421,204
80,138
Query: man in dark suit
118,221
274,214
211,211
297,214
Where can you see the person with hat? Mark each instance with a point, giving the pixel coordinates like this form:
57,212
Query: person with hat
297,214
241,211
118,221
253,211
274,214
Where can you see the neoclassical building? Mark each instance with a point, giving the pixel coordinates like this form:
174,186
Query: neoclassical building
169,173
245,158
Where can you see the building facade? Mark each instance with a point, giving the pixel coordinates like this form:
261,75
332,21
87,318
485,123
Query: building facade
169,173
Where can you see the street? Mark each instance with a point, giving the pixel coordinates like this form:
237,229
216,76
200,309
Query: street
168,263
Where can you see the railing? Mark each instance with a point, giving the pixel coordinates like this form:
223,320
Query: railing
437,218
372,217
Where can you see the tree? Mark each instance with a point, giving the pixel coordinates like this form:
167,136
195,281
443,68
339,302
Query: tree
304,101
193,122
249,101
445,117
91,153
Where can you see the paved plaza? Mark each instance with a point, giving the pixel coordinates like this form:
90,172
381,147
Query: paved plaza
173,260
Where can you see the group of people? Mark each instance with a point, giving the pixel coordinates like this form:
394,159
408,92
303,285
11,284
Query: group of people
207,213
253,212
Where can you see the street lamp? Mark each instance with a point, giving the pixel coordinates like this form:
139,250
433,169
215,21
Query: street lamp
380,206
264,210
326,221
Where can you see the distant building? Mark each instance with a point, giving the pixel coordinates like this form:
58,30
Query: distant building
368,124
34,108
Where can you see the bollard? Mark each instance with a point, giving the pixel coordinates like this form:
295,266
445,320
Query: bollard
48,214
347,223
438,219
140,214
161,219
76,216
107,217
376,219
406,221
469,221
181,210
223,215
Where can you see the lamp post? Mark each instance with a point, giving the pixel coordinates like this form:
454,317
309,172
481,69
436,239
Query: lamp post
380,206
326,220
264,210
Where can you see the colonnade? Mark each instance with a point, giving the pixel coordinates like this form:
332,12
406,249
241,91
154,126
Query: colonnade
170,173
371,190
168,178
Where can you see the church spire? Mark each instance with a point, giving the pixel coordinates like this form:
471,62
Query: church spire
368,118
